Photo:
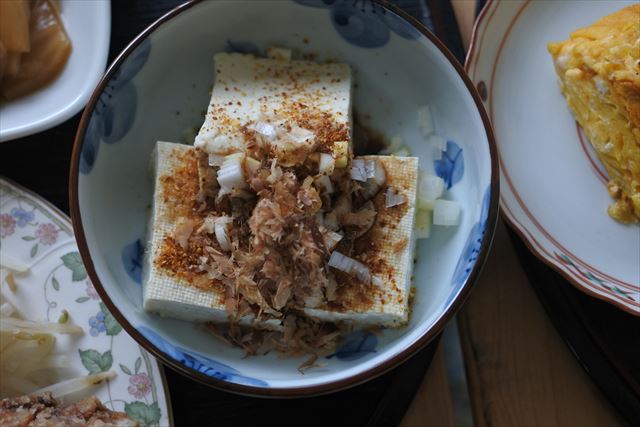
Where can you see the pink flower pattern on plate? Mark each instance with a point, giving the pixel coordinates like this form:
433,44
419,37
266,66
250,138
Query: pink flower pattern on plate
91,291
47,233
140,385
7,225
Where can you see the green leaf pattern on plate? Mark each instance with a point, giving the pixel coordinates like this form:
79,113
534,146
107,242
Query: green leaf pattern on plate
74,263
125,369
145,414
96,362
113,327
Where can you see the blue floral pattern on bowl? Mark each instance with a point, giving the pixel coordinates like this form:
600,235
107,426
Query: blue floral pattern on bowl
366,24
357,345
472,246
115,110
242,47
132,258
198,362
414,8
451,166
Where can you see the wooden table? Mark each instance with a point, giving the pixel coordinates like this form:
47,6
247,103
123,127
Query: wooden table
519,371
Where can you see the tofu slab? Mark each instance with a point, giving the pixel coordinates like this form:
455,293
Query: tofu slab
390,256
162,292
249,89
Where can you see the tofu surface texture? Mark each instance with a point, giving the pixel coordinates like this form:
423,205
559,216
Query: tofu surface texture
390,258
385,305
163,293
248,90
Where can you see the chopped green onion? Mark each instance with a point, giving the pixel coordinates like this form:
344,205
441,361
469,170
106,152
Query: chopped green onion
430,188
324,182
446,212
327,164
422,227
425,121
231,174
350,266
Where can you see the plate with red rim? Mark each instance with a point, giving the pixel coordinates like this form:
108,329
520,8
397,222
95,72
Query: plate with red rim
553,186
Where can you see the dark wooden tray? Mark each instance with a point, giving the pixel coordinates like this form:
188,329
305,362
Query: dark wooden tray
604,339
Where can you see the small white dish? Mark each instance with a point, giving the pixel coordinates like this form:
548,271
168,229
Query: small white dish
553,187
37,235
88,24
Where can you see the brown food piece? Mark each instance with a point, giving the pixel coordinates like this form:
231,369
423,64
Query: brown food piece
14,25
361,221
4,56
12,64
49,51
43,410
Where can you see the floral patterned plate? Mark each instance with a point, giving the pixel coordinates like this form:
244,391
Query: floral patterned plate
553,188
36,234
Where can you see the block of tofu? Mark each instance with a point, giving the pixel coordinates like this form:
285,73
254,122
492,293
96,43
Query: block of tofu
164,293
599,72
389,256
286,99
389,253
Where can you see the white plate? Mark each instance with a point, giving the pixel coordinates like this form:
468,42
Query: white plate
38,235
553,187
88,24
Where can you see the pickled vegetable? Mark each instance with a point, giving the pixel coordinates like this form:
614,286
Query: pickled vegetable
14,25
13,64
47,54
3,60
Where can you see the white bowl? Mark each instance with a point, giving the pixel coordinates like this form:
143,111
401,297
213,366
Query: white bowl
88,24
160,86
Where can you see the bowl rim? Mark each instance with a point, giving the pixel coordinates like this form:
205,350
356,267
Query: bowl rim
301,391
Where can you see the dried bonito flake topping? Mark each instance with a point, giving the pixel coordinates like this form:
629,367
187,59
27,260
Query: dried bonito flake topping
285,219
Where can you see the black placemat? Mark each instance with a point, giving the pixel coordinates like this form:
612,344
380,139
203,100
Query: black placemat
40,162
